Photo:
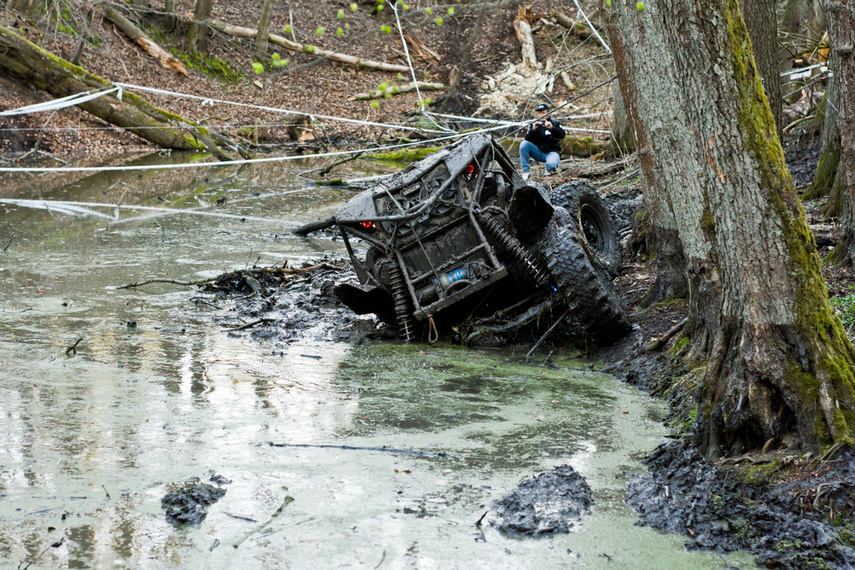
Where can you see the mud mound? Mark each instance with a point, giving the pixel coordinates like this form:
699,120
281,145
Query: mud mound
187,505
550,503
289,304
717,510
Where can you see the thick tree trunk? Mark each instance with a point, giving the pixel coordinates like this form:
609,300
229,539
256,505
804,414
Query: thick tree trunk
841,33
259,50
661,130
779,362
804,16
27,61
762,23
197,43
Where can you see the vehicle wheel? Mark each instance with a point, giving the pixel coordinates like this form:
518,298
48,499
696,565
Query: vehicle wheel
582,287
598,226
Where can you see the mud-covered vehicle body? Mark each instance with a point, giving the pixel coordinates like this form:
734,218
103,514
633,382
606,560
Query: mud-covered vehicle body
459,239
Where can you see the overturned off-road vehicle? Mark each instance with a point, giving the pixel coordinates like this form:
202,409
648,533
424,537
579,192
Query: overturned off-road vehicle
459,241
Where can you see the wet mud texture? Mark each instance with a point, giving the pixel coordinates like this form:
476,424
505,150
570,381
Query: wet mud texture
188,505
716,509
550,503
295,306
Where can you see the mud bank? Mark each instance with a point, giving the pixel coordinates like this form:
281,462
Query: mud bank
726,508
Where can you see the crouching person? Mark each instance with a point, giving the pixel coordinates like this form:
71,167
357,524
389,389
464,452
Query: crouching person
541,143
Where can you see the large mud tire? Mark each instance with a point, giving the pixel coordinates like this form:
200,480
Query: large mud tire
602,241
583,288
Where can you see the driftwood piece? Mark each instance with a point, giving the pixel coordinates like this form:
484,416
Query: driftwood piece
522,27
308,48
595,169
38,67
140,38
397,90
579,29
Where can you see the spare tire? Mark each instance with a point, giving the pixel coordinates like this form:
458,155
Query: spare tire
583,288
602,242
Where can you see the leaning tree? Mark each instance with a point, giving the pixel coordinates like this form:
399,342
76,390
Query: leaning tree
777,360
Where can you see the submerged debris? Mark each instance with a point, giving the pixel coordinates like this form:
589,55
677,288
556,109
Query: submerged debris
187,505
551,503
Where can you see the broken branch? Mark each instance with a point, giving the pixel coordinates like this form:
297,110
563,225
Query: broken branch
397,90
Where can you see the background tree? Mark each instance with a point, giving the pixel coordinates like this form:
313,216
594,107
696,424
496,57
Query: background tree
259,48
169,15
30,8
196,35
762,23
778,362
840,15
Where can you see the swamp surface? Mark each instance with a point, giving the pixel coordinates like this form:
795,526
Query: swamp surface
381,455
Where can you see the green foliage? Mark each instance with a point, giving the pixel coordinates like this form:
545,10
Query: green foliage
209,66
287,29
276,61
845,309
386,29
375,105
640,6
340,14
428,10
450,11
354,7
438,21
257,67
340,32
320,30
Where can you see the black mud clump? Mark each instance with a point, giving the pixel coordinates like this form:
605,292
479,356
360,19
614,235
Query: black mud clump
188,505
283,304
737,508
550,503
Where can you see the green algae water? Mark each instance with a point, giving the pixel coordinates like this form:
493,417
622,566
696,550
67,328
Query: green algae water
375,456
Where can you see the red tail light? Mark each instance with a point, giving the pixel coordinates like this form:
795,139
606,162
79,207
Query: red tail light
367,224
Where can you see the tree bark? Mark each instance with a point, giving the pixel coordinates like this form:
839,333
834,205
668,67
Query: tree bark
522,27
779,364
619,126
38,67
140,38
829,155
840,15
804,16
169,19
197,43
259,51
762,23
307,48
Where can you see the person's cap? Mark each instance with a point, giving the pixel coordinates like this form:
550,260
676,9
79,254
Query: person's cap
542,107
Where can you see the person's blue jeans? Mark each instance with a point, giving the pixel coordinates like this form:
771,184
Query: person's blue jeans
529,150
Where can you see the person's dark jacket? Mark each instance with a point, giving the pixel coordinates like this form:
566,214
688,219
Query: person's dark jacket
546,143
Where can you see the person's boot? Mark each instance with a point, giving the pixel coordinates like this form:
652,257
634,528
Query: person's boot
526,175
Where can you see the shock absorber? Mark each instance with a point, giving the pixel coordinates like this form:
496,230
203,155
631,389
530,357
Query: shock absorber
401,297
512,246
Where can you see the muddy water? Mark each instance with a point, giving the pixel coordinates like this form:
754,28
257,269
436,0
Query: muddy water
379,456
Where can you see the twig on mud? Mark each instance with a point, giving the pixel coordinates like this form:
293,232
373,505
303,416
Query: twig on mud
382,558
36,559
287,501
198,300
660,342
547,333
8,244
73,347
252,324
164,280
360,448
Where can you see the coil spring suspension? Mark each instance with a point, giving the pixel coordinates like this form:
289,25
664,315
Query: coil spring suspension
403,312
512,246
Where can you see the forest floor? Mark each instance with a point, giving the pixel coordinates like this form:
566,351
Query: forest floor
790,510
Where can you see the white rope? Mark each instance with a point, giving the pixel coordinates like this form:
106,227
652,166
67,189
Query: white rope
590,25
233,162
407,54
210,101
55,104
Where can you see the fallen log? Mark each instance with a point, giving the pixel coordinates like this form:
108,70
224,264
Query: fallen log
40,68
140,38
308,48
397,90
